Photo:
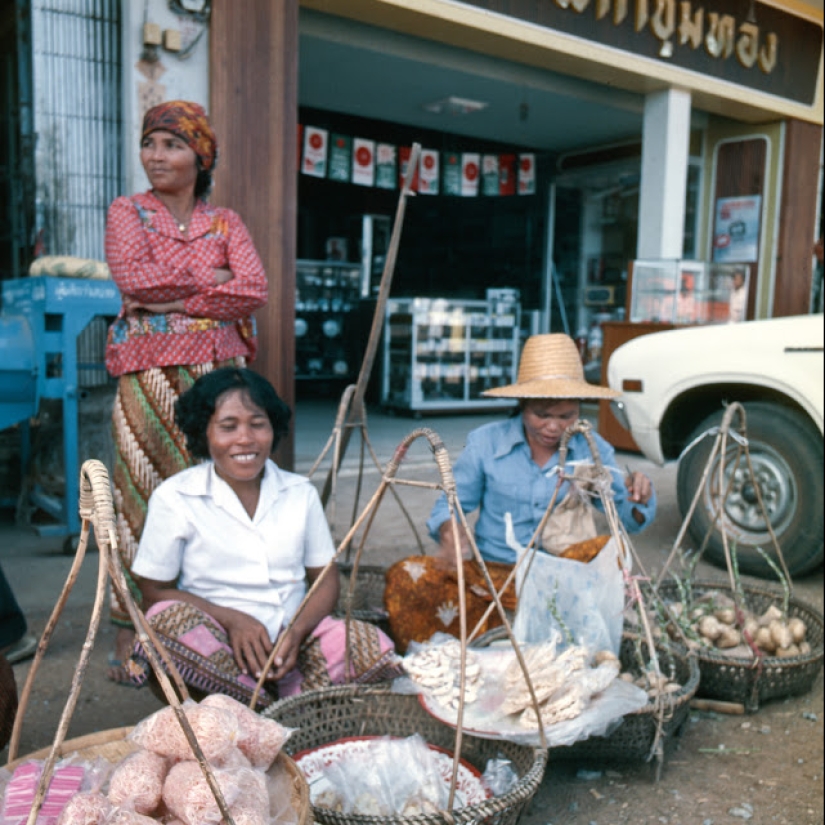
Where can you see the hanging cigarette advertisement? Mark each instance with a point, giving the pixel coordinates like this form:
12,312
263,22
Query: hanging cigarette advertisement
736,229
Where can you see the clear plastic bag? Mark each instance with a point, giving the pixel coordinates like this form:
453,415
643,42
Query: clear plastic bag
568,596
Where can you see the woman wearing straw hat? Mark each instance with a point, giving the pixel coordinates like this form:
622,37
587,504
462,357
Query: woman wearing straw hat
512,466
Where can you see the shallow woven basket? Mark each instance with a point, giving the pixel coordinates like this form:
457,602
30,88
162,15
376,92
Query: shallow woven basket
634,738
326,715
744,680
636,735
113,746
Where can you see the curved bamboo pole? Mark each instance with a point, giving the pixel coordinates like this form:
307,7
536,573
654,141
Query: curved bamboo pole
96,509
447,486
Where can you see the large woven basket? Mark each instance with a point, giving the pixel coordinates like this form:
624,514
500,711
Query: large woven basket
748,681
113,746
326,715
368,598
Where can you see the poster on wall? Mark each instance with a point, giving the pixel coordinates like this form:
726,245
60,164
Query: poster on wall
452,174
527,174
470,162
340,157
736,229
385,166
315,152
363,161
489,174
428,172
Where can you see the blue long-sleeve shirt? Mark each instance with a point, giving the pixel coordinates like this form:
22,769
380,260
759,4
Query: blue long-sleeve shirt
496,472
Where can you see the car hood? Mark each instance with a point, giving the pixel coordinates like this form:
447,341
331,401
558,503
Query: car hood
782,353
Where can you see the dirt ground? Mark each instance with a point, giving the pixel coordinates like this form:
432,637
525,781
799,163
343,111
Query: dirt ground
763,768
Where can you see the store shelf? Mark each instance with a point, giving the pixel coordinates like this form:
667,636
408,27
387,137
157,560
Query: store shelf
442,354
326,320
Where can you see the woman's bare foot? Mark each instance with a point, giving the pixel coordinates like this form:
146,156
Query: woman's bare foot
124,643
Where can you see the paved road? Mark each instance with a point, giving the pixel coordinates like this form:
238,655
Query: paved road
37,569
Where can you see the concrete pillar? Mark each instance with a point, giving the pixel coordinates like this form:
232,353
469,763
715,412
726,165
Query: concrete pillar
665,146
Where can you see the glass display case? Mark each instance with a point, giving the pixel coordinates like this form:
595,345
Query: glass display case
441,354
687,292
326,315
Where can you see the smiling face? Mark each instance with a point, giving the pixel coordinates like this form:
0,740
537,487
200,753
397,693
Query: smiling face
169,163
240,439
545,421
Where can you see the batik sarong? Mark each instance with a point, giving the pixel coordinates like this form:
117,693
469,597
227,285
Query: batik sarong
200,650
149,448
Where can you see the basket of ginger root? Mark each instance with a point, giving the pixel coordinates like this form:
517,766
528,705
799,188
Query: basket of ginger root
765,652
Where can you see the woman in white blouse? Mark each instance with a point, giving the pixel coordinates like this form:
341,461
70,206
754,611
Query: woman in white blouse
229,549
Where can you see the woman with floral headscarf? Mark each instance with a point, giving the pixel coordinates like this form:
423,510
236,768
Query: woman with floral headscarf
190,279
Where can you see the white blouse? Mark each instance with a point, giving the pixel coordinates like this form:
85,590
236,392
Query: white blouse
198,534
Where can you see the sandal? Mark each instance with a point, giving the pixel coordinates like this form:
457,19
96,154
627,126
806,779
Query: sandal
22,649
120,674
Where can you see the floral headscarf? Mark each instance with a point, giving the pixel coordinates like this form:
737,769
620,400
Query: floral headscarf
189,122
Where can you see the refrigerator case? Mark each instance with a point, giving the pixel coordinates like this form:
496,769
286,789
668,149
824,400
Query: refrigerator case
442,354
375,241
326,320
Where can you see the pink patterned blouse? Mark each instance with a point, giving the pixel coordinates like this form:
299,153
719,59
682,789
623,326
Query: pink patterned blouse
151,261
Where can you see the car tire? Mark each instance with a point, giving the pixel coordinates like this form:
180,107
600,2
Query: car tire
787,456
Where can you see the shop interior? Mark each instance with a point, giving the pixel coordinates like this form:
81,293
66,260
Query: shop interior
565,249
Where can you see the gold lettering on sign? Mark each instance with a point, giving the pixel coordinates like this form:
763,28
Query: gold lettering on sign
663,24
619,9
679,18
642,15
767,59
691,29
747,46
721,32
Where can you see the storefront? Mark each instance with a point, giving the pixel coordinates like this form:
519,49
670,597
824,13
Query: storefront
626,162
654,131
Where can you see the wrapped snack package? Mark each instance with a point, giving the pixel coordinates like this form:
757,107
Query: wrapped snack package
188,796
66,781
216,731
86,808
138,781
233,758
403,778
126,817
279,785
259,739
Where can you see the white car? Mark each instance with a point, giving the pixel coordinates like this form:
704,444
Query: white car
675,387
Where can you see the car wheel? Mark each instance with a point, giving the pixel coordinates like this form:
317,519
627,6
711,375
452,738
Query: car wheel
787,457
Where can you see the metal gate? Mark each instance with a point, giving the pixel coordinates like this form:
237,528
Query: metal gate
77,90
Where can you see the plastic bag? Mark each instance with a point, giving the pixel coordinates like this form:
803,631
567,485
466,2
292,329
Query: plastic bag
499,775
562,595
404,778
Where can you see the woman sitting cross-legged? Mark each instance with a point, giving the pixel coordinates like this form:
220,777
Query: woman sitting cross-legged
227,552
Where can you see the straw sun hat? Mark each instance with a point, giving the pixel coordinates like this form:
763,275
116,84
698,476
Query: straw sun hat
551,367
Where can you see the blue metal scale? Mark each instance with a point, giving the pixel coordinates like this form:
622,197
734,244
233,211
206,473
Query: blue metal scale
40,322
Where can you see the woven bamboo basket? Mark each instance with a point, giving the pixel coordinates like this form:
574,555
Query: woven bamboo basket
751,682
326,715
635,737
114,746
97,511
368,597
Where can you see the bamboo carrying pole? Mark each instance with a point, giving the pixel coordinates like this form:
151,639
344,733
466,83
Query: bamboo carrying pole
457,517
96,510
356,398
